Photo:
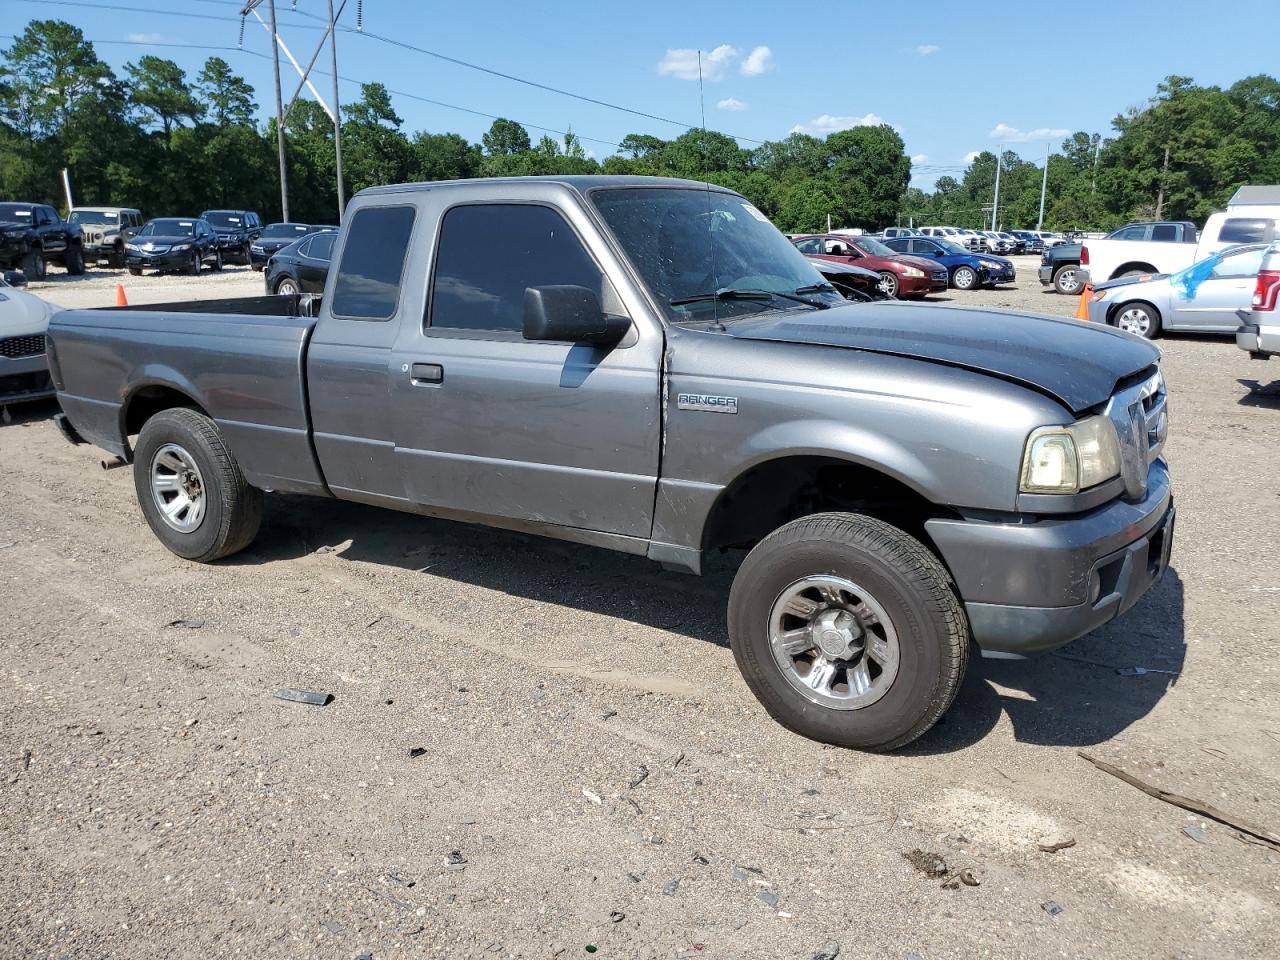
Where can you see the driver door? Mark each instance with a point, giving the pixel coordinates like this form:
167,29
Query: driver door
1212,304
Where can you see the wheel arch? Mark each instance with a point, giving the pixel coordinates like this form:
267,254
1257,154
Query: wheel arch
150,395
1114,310
1132,265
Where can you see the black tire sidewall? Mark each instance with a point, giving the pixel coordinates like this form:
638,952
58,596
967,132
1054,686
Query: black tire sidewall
955,281
921,640
166,428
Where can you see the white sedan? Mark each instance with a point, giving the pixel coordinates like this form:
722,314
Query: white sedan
24,367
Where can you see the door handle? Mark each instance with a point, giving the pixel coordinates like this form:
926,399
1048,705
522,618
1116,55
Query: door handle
427,373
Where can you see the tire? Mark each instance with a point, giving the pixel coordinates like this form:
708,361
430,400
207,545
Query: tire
33,264
964,278
1133,273
217,260
116,260
889,284
900,595
231,510
245,256
73,260
1066,279
193,268
287,287
135,271
1139,318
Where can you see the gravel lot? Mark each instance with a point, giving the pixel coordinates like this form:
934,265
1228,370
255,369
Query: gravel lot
535,749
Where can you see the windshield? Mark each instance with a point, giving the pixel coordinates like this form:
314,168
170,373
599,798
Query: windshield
93,216
14,211
227,221
281,231
686,242
168,228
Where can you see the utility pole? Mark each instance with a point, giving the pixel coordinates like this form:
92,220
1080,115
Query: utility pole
1096,152
337,111
1164,173
275,64
995,204
1044,184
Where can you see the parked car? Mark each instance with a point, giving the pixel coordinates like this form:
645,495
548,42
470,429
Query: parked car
1206,297
105,231
889,233
302,266
33,235
902,277
944,233
974,240
24,320
1016,244
276,236
993,242
1060,268
1031,241
173,243
852,282
236,231
895,470
965,270
1166,246
1259,332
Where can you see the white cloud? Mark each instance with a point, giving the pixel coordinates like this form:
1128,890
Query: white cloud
144,37
1003,131
927,49
732,104
919,158
683,63
759,60
825,124
972,155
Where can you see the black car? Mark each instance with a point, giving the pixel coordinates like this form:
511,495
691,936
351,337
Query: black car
33,235
1031,241
853,282
173,243
302,266
276,236
1060,268
236,230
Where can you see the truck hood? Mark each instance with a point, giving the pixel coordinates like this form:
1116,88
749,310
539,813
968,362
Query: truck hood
1076,363
14,224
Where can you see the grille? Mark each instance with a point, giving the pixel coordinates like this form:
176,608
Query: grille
1141,417
13,348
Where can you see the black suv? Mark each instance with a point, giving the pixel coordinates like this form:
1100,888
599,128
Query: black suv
32,235
236,230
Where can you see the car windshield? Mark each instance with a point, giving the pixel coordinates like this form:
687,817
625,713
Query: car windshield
282,231
14,211
873,247
93,216
168,228
687,242
950,246
225,220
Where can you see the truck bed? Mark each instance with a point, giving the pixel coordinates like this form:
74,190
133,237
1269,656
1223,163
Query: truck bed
242,361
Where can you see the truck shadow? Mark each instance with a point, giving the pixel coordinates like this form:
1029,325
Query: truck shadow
1073,697
1084,694
1260,394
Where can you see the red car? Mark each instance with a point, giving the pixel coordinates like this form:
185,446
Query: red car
901,276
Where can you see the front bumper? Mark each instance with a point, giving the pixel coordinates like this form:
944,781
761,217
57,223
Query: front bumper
918,286
157,261
26,378
1003,275
1033,586
1259,340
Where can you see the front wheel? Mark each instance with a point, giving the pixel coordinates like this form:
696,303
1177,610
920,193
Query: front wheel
964,278
1141,319
217,260
848,631
190,488
33,265
193,268
135,271
73,260
889,284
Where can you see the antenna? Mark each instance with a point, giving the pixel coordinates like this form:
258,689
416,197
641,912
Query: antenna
711,235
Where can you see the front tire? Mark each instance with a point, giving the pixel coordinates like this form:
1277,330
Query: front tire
889,284
193,268
848,631
1140,319
964,278
33,265
1066,279
73,260
217,260
191,490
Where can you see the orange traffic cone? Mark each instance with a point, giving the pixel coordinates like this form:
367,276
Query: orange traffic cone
1082,305
121,299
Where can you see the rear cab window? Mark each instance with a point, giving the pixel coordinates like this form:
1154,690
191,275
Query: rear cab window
371,271
1247,230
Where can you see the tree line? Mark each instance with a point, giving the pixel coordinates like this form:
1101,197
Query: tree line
169,143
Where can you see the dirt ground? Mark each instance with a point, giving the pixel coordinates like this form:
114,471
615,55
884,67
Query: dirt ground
542,750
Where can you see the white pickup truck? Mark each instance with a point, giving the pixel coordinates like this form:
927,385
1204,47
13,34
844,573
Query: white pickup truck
1169,247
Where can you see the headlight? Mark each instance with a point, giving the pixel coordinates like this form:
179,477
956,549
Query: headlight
132,246
179,247
1070,459
990,264
912,272
257,248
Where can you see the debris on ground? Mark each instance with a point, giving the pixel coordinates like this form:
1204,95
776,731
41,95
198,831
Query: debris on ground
416,752
1143,671
1052,907
592,796
699,858
828,951
1060,845
1268,837
607,714
1198,834
927,863
188,623
640,778
455,857
741,872
617,916
670,889
312,698
963,876
768,898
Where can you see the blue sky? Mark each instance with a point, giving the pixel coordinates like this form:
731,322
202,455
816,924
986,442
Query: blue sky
953,78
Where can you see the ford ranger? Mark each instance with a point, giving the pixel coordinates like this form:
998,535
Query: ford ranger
648,365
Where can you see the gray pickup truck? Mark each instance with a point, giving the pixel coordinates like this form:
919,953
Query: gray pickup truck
648,365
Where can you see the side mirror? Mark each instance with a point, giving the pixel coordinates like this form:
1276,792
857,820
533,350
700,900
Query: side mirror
15,278
573,314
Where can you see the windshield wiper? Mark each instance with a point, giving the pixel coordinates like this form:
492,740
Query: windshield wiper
822,287
726,293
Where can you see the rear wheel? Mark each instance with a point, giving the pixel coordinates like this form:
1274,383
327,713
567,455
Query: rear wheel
964,278
191,490
889,283
1066,279
1139,318
848,631
286,287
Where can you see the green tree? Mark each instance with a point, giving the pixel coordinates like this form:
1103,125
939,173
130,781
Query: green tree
160,90
47,71
505,138
374,150
444,156
229,96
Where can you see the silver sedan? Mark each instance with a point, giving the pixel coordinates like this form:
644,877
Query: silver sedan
1203,298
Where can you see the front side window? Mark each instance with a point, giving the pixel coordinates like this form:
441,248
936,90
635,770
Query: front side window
489,254
1244,263
368,284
